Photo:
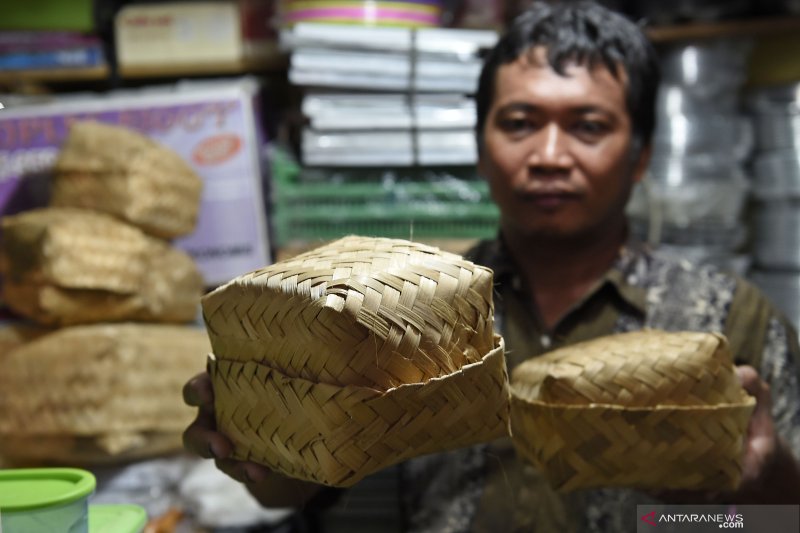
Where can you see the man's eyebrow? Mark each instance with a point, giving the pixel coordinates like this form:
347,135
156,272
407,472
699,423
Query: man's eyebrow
518,106
529,108
586,109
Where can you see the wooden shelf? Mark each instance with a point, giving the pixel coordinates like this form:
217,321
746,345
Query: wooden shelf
11,77
754,27
255,66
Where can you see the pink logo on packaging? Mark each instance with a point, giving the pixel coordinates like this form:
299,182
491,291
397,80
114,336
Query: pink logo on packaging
649,518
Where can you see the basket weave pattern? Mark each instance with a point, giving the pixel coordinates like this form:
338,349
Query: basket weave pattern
123,173
371,312
70,266
354,356
646,409
336,435
97,381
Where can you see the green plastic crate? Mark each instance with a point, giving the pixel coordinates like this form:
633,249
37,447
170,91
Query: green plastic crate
452,209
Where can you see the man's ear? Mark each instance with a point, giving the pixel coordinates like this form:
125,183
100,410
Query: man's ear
641,163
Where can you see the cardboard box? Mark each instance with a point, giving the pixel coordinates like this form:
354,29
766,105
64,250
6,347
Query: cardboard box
214,34
213,126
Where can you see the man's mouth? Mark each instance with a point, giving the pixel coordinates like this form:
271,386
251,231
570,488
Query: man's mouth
549,199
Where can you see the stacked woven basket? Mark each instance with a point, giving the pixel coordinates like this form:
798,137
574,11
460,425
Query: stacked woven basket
355,356
99,375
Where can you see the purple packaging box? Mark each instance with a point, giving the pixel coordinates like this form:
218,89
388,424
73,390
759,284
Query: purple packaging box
212,125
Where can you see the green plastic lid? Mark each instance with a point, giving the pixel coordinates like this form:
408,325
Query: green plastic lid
26,489
116,518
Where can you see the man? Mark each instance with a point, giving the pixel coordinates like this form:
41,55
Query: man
566,106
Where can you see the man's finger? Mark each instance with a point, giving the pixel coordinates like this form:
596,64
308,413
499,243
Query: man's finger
197,392
202,439
754,385
243,471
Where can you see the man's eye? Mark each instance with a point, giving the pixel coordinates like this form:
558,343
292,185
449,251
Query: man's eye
515,124
590,127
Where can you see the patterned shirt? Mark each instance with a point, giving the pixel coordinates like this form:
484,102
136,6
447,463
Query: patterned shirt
486,489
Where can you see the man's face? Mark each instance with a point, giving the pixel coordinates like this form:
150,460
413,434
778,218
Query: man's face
557,149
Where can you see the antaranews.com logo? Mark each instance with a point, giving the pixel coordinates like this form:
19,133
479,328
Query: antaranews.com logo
710,518
723,520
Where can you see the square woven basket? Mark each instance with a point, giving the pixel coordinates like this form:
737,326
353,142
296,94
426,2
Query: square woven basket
121,172
97,393
354,356
647,409
64,266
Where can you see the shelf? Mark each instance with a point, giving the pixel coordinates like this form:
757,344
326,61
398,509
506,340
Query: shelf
263,65
754,27
12,77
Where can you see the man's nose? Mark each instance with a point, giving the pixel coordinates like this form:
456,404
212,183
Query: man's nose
550,149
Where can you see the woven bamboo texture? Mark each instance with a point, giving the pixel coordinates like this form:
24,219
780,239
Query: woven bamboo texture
647,409
45,450
109,382
356,355
336,435
123,173
70,266
360,311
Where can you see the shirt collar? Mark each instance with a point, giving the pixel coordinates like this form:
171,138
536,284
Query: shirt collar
627,276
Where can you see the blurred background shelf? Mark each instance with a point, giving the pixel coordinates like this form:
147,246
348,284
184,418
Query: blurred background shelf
273,65
753,27
59,75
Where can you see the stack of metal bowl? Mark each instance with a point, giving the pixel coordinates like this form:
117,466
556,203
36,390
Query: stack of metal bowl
776,190
660,12
693,197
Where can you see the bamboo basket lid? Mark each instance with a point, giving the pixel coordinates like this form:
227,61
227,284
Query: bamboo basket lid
121,172
355,356
66,266
360,311
646,409
110,382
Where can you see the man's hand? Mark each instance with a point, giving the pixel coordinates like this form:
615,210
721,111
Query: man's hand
761,442
770,473
203,439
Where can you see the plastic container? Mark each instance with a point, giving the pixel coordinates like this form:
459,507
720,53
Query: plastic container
117,519
394,13
45,500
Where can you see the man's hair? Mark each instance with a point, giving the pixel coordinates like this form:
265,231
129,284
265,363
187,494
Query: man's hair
588,34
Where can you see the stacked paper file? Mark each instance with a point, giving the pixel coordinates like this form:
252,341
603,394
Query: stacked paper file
408,93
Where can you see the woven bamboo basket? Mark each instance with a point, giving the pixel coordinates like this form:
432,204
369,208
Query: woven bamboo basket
354,356
124,173
92,393
71,266
647,409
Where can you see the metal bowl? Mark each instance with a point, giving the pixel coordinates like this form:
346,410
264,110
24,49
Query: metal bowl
777,129
680,100
689,135
660,12
708,68
776,234
777,99
776,174
783,289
